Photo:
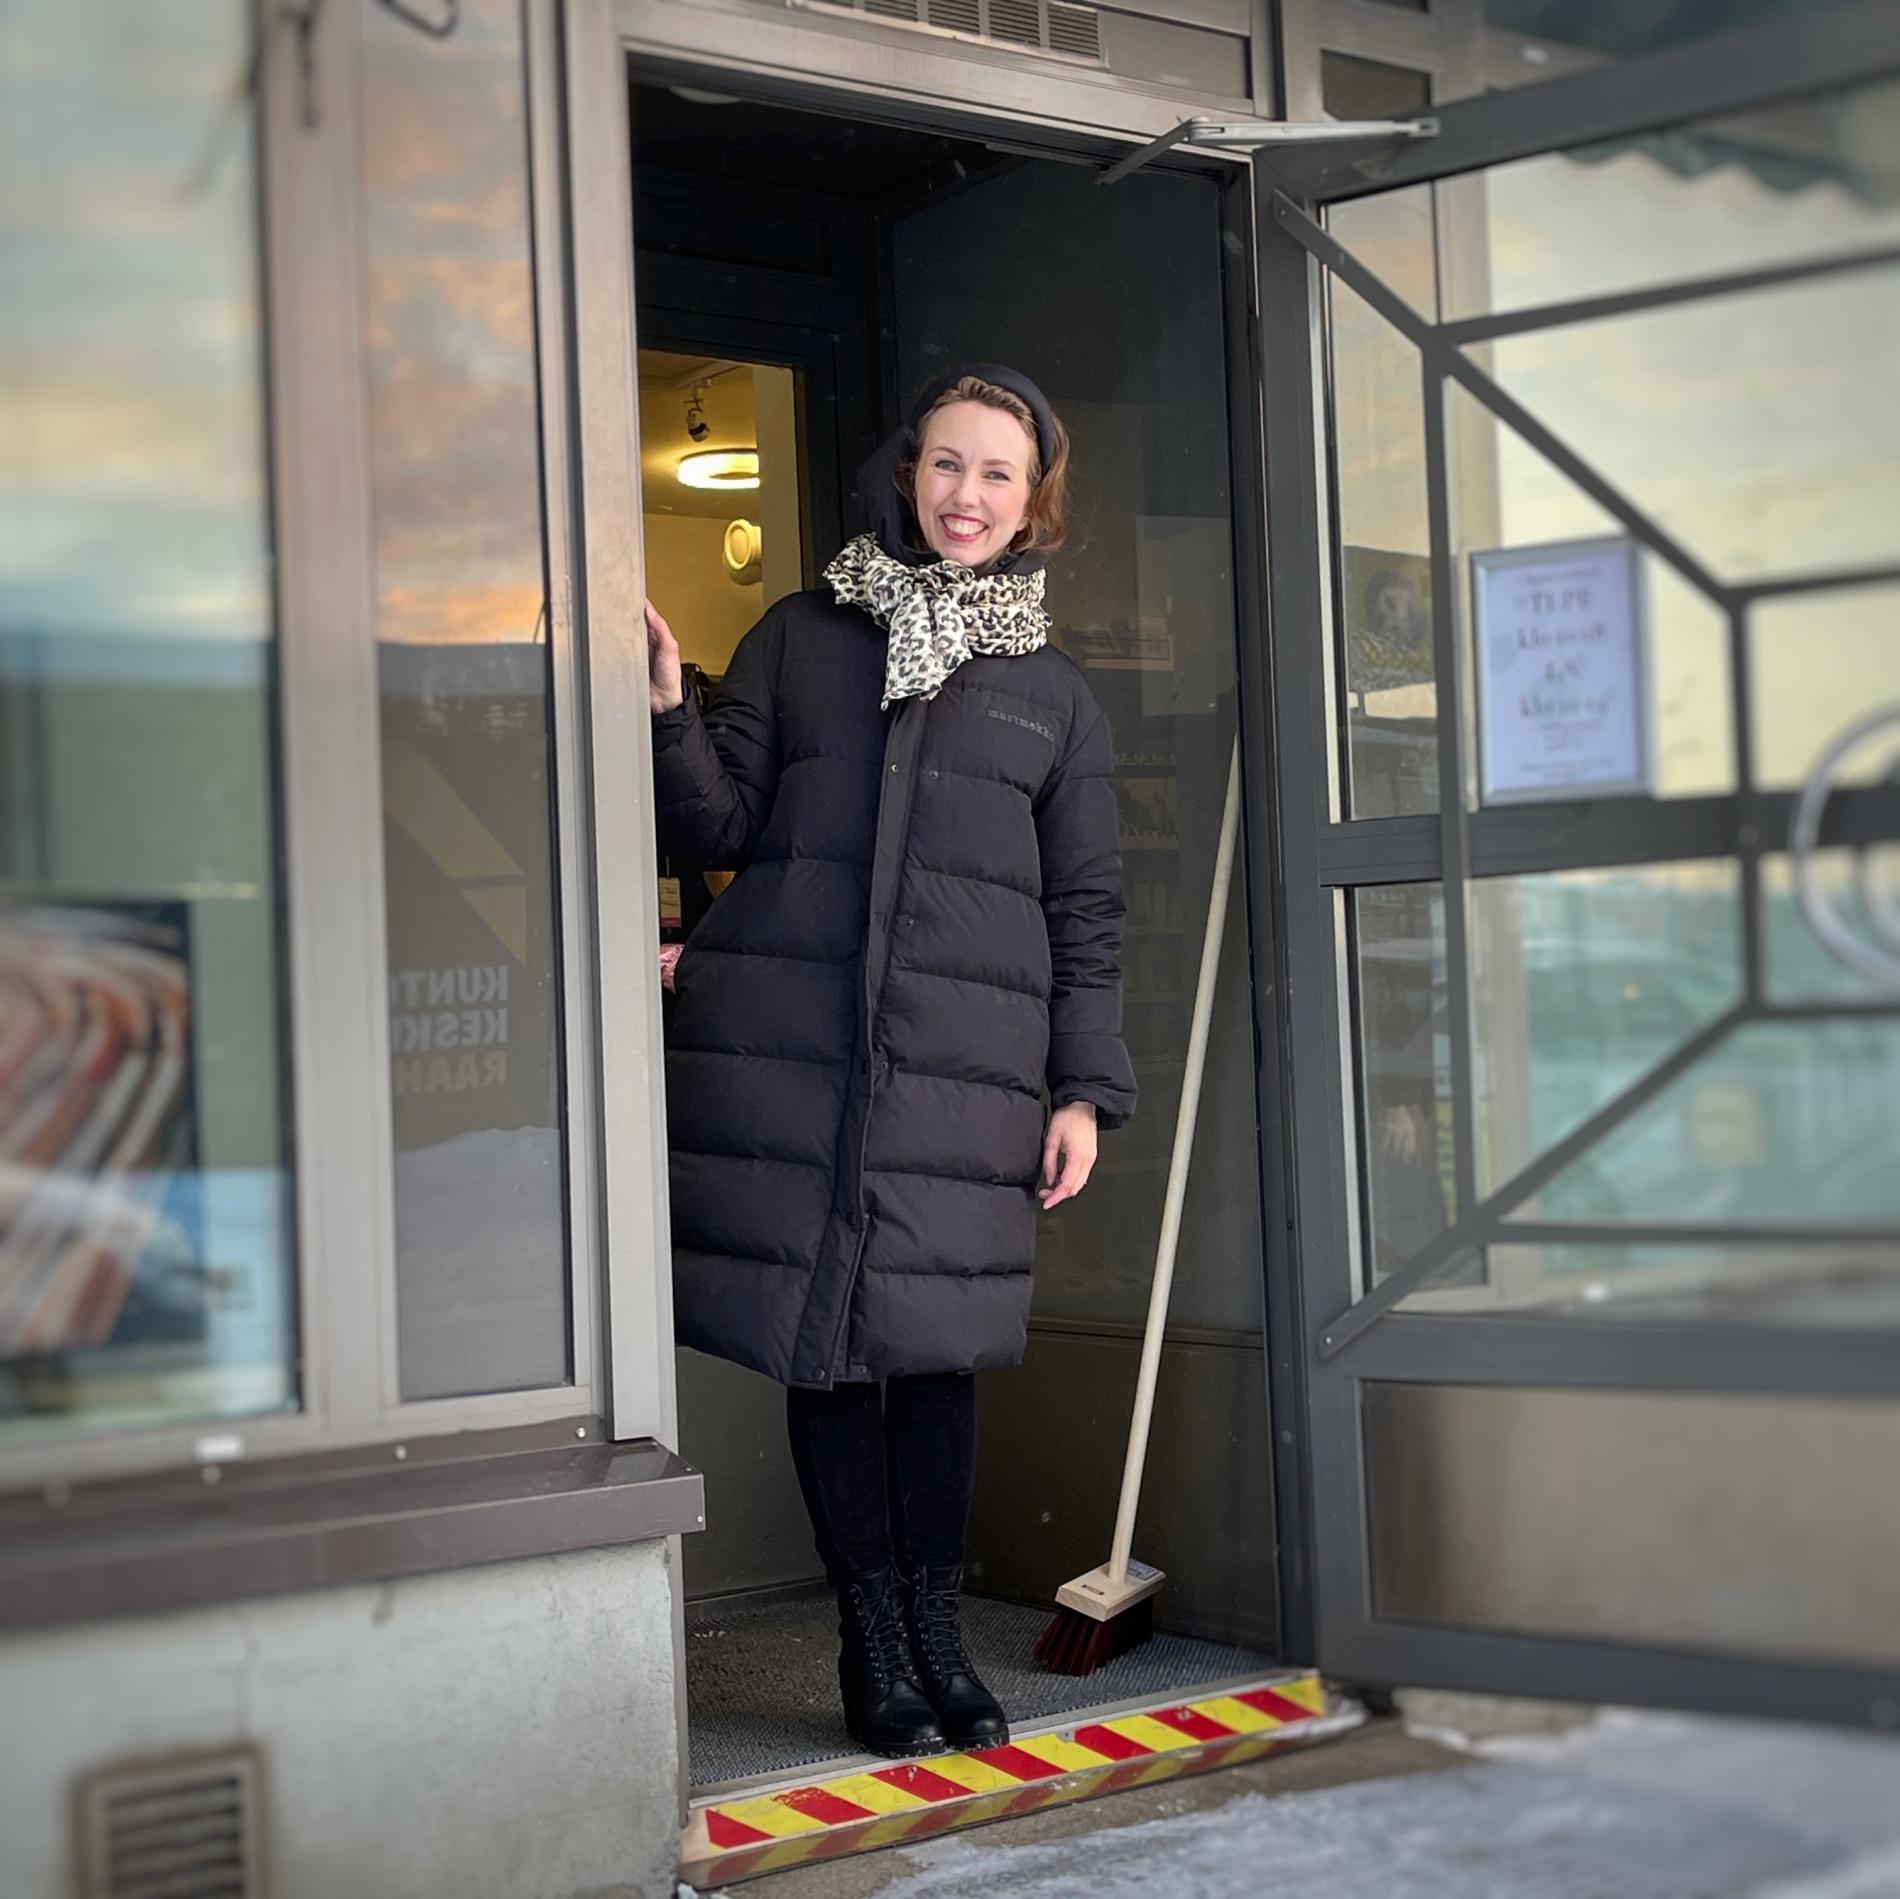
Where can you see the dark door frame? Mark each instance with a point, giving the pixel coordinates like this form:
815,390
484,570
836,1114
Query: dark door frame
669,316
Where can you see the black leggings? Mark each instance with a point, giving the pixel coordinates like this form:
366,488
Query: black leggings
886,1471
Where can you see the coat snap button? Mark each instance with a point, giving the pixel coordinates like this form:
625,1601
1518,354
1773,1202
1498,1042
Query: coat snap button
896,770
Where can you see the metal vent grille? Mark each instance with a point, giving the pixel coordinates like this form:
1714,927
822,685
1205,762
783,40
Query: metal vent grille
1017,21
186,1828
1058,29
1075,30
957,16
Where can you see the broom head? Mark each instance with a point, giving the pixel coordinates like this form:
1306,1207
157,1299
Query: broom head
1099,1618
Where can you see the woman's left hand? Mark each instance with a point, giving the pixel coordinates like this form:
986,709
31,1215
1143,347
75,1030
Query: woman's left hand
1068,1153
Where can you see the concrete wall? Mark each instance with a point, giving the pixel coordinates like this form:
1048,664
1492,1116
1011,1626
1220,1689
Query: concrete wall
504,1732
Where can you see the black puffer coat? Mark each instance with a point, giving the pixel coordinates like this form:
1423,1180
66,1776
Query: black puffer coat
926,931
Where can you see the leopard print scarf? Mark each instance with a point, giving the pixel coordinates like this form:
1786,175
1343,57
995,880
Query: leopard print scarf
935,617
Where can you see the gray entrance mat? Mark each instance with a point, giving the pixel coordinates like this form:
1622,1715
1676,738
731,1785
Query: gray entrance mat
762,1681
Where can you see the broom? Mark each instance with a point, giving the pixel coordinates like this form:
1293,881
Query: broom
1110,1609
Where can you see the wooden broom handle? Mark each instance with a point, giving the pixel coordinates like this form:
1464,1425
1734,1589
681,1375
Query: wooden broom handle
1177,1176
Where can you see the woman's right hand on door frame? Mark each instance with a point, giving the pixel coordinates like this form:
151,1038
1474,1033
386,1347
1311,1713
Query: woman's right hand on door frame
663,662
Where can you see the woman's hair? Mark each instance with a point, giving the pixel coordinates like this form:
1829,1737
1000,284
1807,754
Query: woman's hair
1045,526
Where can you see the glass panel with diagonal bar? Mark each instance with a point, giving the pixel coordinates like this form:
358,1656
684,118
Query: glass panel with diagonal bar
1683,1077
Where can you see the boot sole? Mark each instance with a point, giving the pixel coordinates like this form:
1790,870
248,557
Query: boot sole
919,1752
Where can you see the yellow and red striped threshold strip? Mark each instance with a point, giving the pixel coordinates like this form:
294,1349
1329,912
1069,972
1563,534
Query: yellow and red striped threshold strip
738,1837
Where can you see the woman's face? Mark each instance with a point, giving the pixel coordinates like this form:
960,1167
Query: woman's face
972,482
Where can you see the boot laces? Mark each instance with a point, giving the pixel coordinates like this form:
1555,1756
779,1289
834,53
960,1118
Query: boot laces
938,1634
880,1616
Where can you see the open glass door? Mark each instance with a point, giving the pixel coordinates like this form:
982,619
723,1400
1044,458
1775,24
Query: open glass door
1584,525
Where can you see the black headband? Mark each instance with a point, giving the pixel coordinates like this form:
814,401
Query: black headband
1004,378
889,514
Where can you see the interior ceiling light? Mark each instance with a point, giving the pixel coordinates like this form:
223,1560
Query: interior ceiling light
721,468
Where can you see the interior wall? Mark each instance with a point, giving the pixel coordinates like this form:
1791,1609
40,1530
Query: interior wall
775,404
687,578
685,527
732,1427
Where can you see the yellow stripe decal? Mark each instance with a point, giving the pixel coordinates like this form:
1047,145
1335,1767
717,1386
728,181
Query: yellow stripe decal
877,1796
770,1816
1147,1732
1307,1691
888,1832
785,1853
1058,1752
977,1776
1236,1715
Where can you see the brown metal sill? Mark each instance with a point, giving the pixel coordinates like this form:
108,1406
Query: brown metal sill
135,1546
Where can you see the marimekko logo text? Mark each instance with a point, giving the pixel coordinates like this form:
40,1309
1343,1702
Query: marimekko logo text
1028,725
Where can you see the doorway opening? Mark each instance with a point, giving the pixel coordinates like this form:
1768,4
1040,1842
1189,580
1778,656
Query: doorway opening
799,277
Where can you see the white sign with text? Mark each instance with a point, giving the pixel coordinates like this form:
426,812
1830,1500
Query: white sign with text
1562,638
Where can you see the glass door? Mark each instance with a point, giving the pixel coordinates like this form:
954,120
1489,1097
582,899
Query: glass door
1583,444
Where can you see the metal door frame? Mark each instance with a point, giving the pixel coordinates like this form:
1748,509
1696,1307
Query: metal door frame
1333,1339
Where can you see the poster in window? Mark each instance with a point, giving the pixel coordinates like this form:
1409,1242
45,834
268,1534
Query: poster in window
98,1138
1562,640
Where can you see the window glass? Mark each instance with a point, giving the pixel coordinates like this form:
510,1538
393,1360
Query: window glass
1861,888
1582,981
1507,496
1355,88
1785,1122
1758,430
1784,1125
1822,662
1405,1104
145,1216
1389,665
481,1231
1804,179
1844,1285
1625,29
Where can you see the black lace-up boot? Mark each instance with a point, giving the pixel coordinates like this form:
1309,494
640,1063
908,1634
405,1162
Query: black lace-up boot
971,1715
884,1709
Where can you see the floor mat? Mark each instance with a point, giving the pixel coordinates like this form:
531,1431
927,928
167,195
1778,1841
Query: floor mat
762,1681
